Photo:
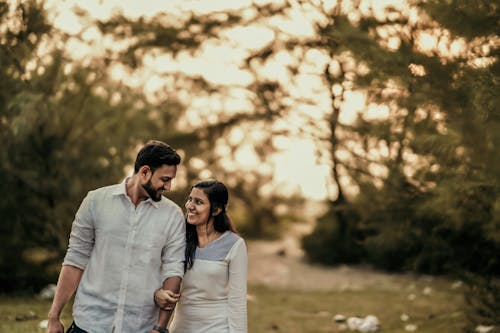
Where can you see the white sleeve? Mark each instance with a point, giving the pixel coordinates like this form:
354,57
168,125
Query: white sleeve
173,252
237,294
82,237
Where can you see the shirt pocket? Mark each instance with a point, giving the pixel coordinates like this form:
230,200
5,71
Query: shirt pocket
149,248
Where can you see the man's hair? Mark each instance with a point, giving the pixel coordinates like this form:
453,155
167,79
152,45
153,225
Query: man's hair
154,154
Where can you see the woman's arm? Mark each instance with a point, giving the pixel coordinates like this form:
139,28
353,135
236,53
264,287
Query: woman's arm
237,296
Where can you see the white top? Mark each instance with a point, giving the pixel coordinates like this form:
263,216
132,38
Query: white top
213,293
126,253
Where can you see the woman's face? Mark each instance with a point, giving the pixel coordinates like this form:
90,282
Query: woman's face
197,207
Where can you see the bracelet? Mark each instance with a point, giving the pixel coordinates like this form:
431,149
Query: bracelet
160,329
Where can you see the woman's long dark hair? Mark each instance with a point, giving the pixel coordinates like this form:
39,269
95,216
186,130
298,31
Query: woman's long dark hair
218,196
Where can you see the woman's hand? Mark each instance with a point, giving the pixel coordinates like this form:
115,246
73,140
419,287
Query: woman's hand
166,299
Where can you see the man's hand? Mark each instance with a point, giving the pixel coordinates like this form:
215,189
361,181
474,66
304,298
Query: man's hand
55,325
166,299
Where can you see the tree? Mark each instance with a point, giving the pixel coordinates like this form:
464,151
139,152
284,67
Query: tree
434,207
70,123
66,128
208,141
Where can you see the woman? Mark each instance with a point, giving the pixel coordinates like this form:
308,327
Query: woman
213,293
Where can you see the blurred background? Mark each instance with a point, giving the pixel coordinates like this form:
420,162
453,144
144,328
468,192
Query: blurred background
366,129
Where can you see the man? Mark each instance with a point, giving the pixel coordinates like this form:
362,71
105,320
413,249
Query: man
127,240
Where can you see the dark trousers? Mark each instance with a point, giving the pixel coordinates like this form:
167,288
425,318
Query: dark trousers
75,329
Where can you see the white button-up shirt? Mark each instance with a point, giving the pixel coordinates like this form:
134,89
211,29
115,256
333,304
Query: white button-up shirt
126,253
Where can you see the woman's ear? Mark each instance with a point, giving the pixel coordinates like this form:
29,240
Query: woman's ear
216,211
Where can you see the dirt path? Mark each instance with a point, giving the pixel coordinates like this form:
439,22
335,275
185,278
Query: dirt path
281,264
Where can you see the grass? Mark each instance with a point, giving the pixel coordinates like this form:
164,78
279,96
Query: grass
312,312
294,311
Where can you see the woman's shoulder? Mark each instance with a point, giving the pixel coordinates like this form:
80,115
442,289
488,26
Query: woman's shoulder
233,235
229,239
235,241
220,248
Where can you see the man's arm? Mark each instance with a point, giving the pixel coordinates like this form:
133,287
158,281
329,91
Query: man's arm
172,269
81,243
173,284
69,278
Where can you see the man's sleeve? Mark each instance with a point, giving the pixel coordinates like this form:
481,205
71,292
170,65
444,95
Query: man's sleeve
82,237
173,252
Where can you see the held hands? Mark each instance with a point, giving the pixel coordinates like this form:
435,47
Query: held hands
166,299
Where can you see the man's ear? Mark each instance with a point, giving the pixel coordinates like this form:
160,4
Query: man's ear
216,211
143,171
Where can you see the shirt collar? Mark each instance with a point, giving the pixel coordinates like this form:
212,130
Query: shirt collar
155,204
121,189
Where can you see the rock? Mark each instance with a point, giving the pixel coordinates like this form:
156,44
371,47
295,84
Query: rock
339,318
353,323
370,324
43,324
342,327
411,328
484,328
47,292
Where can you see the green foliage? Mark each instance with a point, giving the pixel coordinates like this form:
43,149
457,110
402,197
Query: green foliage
254,210
64,132
67,127
336,238
465,18
434,209
389,214
442,216
482,298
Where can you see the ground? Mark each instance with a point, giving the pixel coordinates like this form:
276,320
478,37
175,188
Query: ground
282,263
289,294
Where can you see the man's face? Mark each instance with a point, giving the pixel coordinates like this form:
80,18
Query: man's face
159,181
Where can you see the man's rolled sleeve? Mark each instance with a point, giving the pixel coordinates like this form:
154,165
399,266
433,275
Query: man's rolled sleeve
82,237
173,252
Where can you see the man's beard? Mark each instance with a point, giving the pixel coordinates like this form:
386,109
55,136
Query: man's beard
153,194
